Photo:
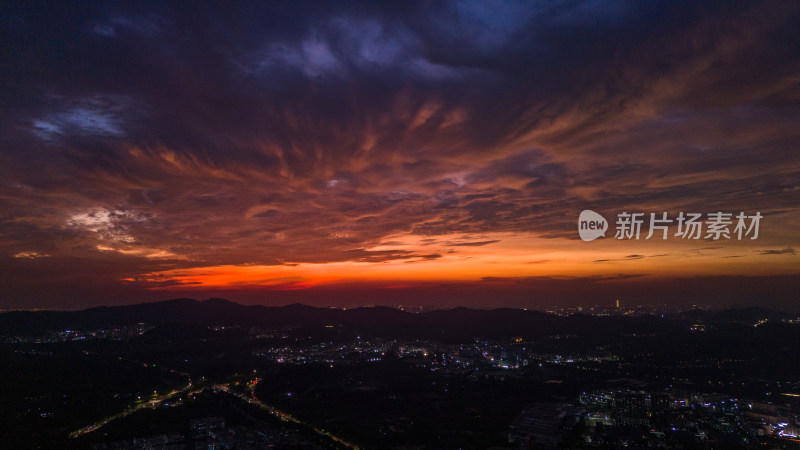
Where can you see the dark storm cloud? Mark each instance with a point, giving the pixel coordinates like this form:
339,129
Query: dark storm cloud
474,244
291,132
630,258
784,251
565,280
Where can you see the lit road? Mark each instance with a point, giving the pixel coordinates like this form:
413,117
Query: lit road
284,416
152,403
226,388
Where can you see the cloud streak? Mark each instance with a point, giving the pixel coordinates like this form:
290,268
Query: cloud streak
148,140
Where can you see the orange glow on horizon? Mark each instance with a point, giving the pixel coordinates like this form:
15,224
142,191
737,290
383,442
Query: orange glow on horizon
508,256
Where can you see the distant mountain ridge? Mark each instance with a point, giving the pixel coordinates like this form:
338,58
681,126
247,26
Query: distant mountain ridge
372,321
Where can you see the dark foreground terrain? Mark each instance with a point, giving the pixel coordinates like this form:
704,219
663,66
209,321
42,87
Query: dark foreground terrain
187,374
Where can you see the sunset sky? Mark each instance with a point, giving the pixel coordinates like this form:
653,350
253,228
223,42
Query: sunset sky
438,153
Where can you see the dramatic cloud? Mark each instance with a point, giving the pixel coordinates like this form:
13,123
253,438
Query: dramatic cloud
149,148
785,251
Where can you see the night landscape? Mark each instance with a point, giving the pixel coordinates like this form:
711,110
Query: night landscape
411,225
